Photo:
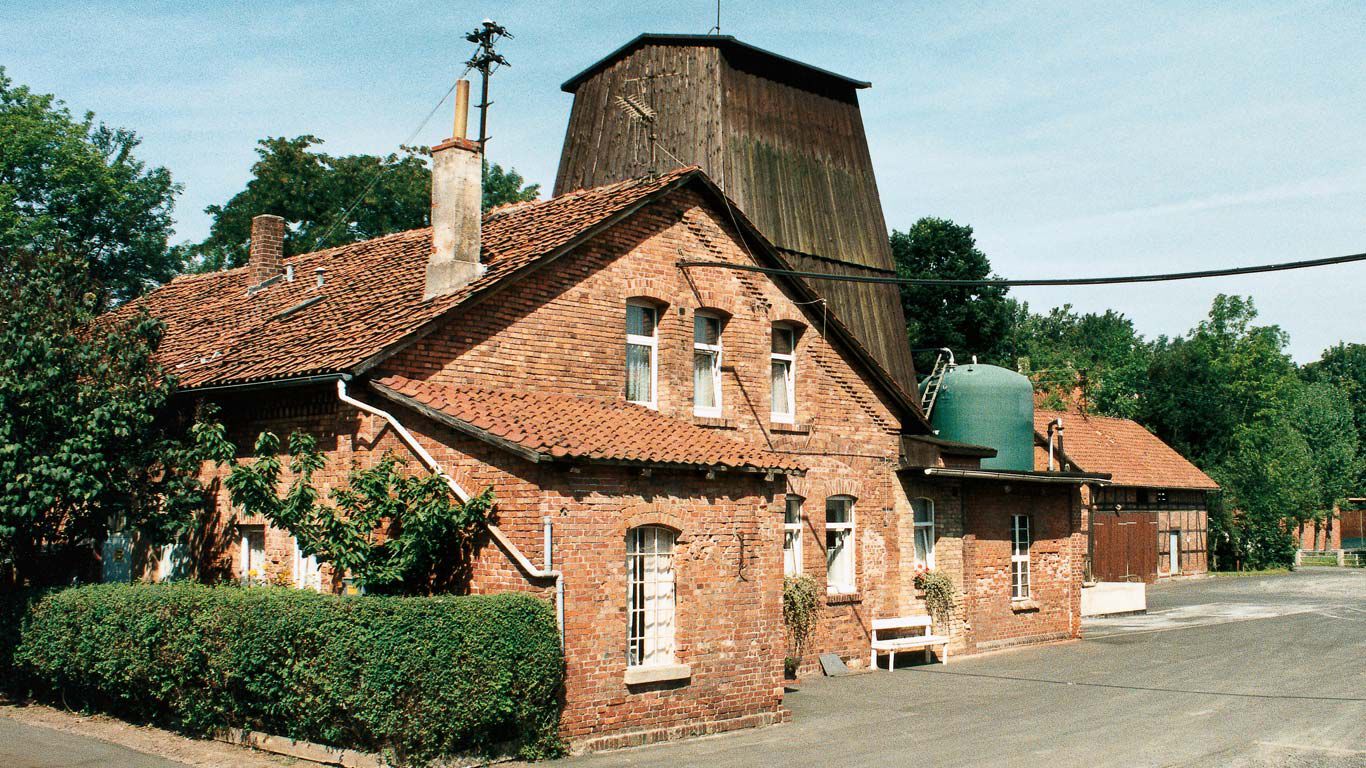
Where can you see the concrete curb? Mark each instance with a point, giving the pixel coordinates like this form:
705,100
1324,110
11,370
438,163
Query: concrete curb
304,750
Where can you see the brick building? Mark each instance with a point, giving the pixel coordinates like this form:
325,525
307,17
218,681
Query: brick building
664,443
1152,520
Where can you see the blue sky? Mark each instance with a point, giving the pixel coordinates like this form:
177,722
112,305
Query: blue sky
1076,140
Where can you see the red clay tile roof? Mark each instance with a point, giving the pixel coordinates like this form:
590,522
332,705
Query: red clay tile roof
545,426
1131,454
371,298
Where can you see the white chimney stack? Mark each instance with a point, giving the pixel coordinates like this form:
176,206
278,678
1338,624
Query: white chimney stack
457,201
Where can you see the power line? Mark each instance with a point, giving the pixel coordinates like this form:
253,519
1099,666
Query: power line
383,168
1159,278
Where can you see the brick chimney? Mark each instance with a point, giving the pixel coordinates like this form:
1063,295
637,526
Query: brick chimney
457,199
267,248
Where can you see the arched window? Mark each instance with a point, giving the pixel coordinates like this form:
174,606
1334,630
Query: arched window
922,510
839,544
783,364
650,595
642,352
706,364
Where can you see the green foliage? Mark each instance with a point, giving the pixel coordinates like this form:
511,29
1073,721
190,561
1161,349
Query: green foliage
74,185
416,678
84,435
502,187
1322,414
941,595
1345,367
317,194
1223,375
801,608
427,535
1268,480
969,320
1099,357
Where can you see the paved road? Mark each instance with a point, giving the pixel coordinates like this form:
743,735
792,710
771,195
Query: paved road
1245,672
32,746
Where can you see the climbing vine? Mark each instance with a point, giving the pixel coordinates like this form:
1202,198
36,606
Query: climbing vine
390,530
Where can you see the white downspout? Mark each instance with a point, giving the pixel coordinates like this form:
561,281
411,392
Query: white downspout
1052,436
503,541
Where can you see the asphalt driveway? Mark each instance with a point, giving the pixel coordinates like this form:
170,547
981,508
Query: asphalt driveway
1254,672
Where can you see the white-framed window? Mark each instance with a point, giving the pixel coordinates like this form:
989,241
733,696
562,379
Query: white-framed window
792,536
642,347
783,364
172,563
307,573
1019,557
839,544
706,364
650,597
922,512
252,555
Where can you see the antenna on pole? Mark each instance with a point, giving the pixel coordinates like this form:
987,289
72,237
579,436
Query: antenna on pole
638,109
485,60
717,28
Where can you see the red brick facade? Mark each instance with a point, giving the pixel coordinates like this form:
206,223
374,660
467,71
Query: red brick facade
561,330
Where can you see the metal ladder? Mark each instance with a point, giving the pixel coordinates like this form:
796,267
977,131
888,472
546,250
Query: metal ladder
935,381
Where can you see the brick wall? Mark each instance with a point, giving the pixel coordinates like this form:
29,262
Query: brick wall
1053,610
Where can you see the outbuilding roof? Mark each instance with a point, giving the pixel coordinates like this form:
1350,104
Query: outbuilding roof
729,45
1130,454
545,426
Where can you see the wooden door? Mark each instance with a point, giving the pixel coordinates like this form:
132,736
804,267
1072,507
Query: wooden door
1124,546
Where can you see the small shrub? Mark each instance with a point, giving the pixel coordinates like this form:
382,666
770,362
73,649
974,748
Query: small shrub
801,604
414,678
941,596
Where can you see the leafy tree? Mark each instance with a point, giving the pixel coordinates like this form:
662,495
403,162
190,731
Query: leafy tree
1225,374
1322,413
333,200
75,185
1345,366
1099,357
84,435
1268,478
389,530
970,320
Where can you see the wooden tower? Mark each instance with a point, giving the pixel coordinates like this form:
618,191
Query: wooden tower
784,140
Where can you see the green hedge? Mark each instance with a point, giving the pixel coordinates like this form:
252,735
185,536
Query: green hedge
414,677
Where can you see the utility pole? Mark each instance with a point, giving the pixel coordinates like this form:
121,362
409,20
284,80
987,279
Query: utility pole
485,60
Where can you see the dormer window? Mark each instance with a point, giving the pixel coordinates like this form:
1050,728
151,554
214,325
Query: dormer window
706,365
784,371
642,346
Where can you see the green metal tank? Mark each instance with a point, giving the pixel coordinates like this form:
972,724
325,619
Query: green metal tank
991,406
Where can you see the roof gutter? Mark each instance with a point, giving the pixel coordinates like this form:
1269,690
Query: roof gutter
1019,477
298,381
460,493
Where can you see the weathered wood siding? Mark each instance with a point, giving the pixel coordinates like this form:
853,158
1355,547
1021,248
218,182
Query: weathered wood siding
787,147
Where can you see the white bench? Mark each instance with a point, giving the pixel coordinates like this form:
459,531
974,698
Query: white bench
923,640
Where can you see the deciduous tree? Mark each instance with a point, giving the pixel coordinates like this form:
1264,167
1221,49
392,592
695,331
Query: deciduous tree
76,185
333,200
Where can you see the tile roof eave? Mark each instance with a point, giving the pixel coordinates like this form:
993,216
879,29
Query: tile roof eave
1041,440
466,428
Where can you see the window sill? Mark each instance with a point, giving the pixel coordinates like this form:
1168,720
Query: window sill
1024,606
657,673
843,598
790,428
713,421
